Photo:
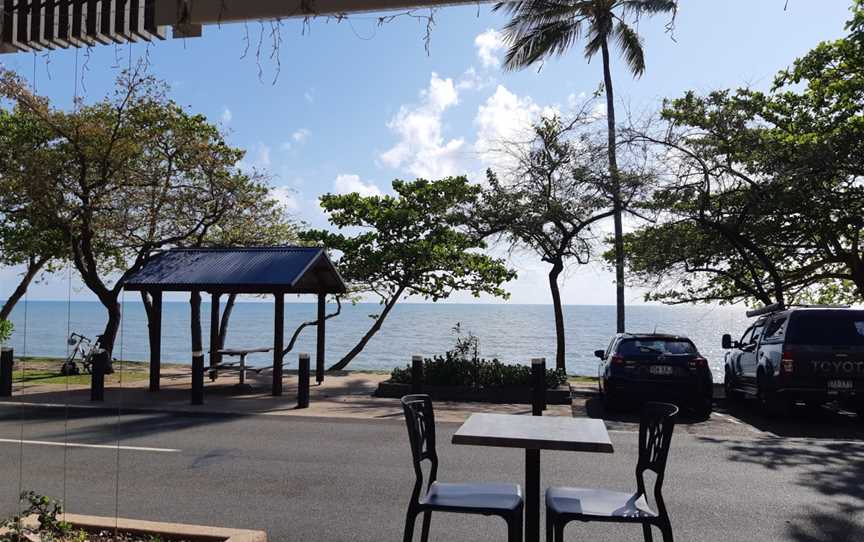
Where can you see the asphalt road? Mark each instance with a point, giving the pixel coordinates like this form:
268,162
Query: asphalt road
326,479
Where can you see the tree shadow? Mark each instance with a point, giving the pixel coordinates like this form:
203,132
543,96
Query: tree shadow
797,422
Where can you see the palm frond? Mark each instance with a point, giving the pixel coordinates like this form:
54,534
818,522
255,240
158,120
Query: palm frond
542,41
650,7
631,48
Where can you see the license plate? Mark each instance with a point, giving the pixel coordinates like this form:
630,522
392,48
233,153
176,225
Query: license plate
840,384
660,370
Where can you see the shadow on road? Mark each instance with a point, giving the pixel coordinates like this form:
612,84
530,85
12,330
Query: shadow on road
797,422
833,469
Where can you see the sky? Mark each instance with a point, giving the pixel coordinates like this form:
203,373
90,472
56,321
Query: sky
351,105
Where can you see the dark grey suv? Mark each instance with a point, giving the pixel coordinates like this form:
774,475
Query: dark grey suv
809,354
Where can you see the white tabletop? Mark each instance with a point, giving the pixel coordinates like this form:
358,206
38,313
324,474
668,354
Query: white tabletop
535,432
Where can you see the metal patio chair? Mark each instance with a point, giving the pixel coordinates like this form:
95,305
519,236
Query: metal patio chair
503,500
566,504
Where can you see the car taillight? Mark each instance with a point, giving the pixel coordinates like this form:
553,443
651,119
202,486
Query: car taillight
617,360
787,363
698,363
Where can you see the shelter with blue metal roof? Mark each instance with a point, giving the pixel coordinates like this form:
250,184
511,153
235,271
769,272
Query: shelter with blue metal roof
219,271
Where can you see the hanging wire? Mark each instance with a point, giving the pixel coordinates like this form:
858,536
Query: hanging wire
66,395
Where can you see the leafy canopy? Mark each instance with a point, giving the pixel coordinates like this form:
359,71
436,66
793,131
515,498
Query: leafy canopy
412,241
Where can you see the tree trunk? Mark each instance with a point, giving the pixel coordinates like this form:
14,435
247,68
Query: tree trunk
109,334
616,190
557,267
33,268
342,363
226,317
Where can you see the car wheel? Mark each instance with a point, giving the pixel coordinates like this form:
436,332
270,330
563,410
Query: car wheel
611,402
729,387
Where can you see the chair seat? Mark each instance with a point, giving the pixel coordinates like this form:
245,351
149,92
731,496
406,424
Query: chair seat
477,497
598,504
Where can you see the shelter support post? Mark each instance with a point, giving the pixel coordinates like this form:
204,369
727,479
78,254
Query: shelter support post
278,342
197,349
198,377
303,382
319,352
155,330
215,357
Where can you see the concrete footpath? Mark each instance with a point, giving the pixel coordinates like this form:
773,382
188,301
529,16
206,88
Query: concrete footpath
345,394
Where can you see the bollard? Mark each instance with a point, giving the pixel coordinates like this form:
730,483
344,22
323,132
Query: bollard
303,382
416,374
97,378
198,377
6,363
538,386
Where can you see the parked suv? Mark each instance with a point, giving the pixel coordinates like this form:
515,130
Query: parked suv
810,354
636,367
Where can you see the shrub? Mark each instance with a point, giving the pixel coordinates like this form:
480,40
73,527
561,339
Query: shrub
449,370
6,329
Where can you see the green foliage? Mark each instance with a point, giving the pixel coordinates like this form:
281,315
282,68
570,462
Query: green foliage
763,196
6,329
539,30
47,512
411,242
462,366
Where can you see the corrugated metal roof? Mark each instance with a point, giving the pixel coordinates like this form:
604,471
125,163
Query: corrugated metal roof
240,270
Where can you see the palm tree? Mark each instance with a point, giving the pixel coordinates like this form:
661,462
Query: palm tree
543,28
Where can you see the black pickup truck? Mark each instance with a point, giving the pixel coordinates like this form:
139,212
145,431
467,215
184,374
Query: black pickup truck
808,354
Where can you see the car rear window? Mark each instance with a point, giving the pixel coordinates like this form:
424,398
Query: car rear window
836,328
633,347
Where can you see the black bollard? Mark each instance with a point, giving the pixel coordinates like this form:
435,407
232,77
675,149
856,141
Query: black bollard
538,386
97,379
198,377
303,382
416,374
6,363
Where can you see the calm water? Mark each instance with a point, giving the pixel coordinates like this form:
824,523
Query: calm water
509,332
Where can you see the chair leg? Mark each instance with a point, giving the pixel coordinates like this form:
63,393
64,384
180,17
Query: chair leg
427,518
666,529
559,531
514,527
410,518
646,532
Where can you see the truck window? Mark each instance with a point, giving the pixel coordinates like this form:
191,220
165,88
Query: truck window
757,332
827,328
776,328
745,339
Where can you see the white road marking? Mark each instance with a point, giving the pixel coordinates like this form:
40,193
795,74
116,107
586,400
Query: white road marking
97,446
727,418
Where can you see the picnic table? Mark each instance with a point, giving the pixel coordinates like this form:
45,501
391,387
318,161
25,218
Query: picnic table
534,433
242,353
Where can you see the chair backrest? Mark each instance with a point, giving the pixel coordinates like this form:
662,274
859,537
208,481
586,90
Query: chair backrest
655,438
420,420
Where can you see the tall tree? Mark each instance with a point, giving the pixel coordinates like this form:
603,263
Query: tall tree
125,177
543,28
547,203
410,243
23,241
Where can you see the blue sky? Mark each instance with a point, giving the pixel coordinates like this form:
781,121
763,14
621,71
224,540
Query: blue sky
356,104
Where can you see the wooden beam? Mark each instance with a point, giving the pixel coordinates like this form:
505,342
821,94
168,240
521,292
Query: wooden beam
215,358
155,329
319,352
278,342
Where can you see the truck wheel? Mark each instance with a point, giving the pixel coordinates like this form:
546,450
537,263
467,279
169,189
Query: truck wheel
729,387
771,404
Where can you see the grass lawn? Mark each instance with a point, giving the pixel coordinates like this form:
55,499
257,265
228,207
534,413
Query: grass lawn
582,379
34,370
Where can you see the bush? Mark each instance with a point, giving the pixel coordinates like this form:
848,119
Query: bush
6,329
450,370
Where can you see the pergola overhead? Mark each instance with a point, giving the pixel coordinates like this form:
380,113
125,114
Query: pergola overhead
37,25
217,271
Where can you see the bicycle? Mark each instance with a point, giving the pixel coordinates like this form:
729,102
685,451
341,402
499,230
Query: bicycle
83,352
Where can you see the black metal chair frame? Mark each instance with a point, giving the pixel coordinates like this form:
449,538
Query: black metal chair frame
420,419
655,437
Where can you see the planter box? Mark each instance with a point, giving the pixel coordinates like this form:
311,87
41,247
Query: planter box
557,396
168,531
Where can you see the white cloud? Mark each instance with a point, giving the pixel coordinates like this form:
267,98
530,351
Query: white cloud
260,158
286,197
309,95
348,183
504,118
227,116
422,149
471,80
489,44
301,135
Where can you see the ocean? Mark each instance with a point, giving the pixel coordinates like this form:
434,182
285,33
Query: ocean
512,333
